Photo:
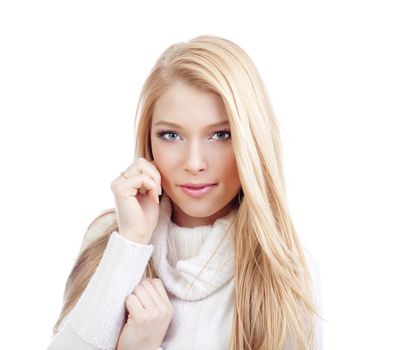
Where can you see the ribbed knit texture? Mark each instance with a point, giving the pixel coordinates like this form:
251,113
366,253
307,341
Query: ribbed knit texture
193,262
99,313
203,311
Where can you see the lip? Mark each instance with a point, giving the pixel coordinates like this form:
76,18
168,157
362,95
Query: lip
197,185
197,191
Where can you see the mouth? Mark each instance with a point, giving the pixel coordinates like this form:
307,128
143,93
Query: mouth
198,191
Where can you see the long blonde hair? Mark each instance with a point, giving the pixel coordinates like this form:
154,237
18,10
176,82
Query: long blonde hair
274,300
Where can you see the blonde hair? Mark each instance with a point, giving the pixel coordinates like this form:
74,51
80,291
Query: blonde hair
274,299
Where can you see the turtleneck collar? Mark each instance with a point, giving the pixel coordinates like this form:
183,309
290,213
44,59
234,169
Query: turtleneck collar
193,262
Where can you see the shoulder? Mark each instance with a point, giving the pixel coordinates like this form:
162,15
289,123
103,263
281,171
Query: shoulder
98,226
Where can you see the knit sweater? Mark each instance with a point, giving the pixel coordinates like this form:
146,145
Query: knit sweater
196,266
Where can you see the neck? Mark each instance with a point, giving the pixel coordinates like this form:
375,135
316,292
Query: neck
180,218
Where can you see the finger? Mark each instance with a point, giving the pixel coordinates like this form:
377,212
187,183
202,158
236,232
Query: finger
150,169
136,183
140,183
142,165
154,293
158,284
133,305
142,169
144,297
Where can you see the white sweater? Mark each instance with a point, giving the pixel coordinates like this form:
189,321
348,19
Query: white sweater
200,289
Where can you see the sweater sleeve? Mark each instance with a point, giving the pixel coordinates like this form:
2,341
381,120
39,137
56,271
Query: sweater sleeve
98,317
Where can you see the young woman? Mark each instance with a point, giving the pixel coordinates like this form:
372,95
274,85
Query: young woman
216,262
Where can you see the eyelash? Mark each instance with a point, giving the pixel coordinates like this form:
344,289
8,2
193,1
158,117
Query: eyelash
162,133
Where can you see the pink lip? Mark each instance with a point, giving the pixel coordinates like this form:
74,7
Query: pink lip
197,192
197,185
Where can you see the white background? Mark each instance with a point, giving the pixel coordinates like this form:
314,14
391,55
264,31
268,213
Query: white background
70,77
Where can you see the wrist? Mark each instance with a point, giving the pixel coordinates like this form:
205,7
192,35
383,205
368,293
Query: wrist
136,239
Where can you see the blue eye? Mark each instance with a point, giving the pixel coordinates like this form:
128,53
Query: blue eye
172,132
223,132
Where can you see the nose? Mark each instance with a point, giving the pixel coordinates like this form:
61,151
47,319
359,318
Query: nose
195,158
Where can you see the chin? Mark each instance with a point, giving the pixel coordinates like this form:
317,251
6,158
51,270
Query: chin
194,207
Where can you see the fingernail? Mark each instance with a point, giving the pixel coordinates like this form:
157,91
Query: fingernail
159,191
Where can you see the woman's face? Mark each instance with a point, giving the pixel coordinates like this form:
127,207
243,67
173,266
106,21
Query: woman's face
194,152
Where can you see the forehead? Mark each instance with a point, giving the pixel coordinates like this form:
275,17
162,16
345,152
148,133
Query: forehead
189,106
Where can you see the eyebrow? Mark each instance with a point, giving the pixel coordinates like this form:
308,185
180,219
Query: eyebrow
163,122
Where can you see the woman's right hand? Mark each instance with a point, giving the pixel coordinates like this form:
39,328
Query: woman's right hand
137,200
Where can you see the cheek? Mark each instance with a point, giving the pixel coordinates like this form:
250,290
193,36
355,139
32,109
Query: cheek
228,168
158,152
164,153
163,162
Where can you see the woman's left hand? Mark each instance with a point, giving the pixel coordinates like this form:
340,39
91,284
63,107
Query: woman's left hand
150,314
